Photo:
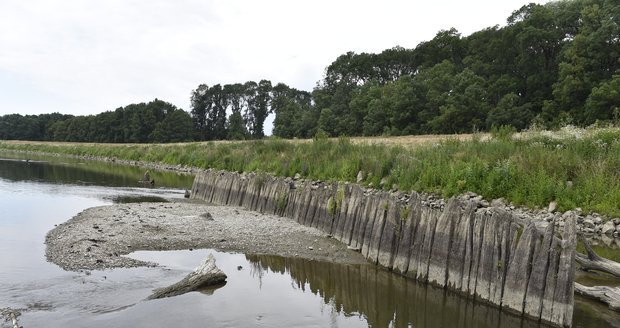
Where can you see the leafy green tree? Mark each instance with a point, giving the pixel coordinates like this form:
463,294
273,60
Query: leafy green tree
200,109
589,59
375,122
447,45
209,111
508,112
327,122
436,83
236,127
175,127
603,103
290,107
464,108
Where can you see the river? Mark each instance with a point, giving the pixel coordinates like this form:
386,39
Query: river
37,193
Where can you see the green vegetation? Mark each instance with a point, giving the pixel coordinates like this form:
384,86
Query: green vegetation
156,121
281,201
331,206
552,64
404,213
575,167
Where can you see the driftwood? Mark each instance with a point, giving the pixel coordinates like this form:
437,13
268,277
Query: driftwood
206,274
592,261
605,294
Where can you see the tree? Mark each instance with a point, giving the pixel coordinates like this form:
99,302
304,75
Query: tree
508,112
258,101
209,111
590,59
603,103
200,107
236,127
175,127
327,122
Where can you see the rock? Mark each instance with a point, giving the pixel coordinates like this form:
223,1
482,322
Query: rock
206,274
499,202
569,184
187,194
552,207
588,223
360,176
207,216
608,228
607,240
597,220
297,176
383,181
616,221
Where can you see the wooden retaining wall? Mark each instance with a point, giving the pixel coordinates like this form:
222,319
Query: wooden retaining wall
486,253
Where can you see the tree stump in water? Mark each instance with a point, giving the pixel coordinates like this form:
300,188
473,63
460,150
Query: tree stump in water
206,274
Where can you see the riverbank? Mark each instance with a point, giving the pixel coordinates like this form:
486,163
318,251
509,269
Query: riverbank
99,237
572,168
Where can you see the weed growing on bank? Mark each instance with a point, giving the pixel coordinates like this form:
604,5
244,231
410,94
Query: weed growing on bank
574,167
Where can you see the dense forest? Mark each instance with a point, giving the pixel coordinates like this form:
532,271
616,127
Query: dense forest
550,65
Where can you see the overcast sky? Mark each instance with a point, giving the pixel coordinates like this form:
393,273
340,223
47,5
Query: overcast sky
85,57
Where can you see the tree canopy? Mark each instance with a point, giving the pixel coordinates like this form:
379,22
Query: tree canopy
553,64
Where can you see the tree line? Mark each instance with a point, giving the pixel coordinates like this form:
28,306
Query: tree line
156,121
550,65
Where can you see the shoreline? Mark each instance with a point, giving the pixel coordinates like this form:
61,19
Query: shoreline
144,164
594,226
99,237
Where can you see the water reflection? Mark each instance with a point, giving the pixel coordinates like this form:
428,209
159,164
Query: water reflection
18,167
386,299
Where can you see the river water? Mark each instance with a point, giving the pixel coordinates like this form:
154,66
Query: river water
261,291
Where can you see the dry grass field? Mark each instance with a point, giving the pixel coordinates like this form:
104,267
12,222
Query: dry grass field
405,141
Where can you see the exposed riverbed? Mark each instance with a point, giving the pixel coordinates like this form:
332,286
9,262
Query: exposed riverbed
98,237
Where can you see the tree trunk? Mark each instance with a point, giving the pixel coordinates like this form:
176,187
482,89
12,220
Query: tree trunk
206,274
605,294
592,261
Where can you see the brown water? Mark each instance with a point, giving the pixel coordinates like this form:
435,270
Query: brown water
265,291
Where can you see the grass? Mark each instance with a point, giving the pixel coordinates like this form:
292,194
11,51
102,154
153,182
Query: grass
574,167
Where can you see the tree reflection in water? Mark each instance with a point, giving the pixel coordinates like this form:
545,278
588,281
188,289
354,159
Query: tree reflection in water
383,298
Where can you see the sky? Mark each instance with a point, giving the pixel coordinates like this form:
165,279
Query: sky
85,57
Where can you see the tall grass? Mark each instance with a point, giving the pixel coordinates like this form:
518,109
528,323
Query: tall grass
575,170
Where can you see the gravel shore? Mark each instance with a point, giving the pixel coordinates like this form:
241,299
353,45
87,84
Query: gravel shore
98,237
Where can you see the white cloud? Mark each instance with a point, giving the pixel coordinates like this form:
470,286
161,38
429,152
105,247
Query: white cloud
85,57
